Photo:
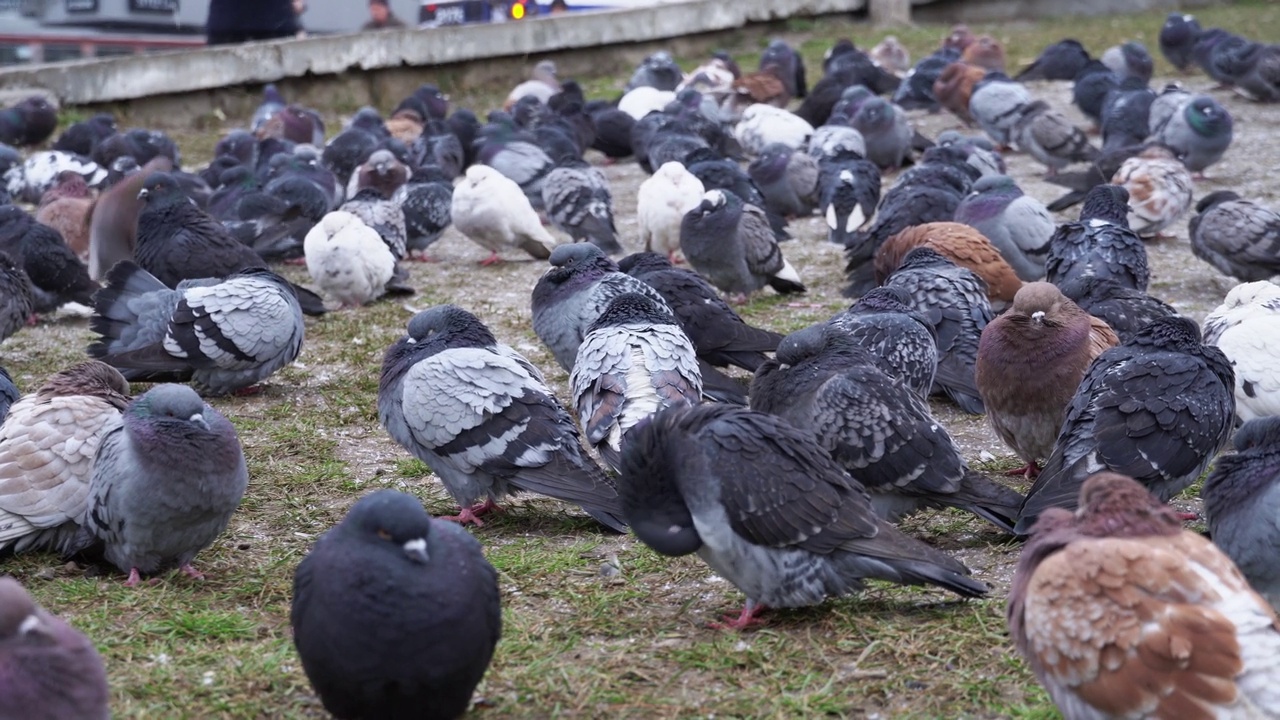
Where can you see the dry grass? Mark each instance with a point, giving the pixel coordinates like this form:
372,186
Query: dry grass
579,642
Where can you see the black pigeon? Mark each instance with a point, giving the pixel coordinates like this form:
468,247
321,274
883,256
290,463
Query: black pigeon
762,504
1242,501
789,66
1157,408
916,90
954,301
1238,237
875,427
56,275
344,153
30,122
1100,244
900,337
844,71
466,126
1126,310
1090,89
1060,61
82,137
483,419
394,614
1178,36
178,241
1126,114
613,131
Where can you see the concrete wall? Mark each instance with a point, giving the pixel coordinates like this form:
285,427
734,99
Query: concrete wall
976,11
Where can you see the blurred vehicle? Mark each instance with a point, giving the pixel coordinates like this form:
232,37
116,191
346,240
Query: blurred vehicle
460,12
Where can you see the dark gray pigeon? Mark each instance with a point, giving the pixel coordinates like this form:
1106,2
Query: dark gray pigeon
731,244
789,66
875,427
1049,137
1260,77
788,179
1100,244
9,393
1238,237
223,335
768,509
848,198
900,337
658,70
1157,408
887,132
416,642
1126,310
1242,505
578,202
1129,60
1177,37
165,482
427,205
634,361
1058,61
954,301
1090,89
15,298
48,669
1016,223
1199,134
56,276
384,215
1126,115
483,419
996,103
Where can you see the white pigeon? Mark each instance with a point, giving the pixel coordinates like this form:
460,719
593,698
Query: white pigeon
763,125
493,211
347,259
28,181
661,204
643,100
1246,328
542,84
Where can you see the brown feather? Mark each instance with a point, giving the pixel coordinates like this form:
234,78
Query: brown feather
962,245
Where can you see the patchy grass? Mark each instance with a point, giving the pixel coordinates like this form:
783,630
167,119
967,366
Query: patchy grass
595,625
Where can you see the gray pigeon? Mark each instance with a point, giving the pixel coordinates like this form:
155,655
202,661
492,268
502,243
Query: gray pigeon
634,361
483,419
658,70
900,337
165,483
1157,408
996,104
1238,237
886,130
1260,79
1017,224
954,300
788,179
224,335
382,214
875,427
768,509
730,243
1100,244
1199,134
47,445
48,669
1242,505
1049,137
419,645
1130,59
1126,310
427,206
1165,105
578,202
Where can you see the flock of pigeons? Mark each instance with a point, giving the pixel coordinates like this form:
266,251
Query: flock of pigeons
788,487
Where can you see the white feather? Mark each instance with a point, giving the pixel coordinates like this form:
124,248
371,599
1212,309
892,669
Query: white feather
347,259
661,204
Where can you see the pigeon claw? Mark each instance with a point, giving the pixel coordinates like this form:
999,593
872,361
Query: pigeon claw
1187,516
295,261
247,391
742,620
191,572
1030,471
134,578
493,259
472,514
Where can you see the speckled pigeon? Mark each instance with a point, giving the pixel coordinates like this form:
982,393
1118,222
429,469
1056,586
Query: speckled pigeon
730,243
1238,237
901,337
578,202
1126,310
1100,244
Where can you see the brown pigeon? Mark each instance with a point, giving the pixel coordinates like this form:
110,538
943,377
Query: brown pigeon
1030,362
113,220
65,207
962,245
986,52
954,87
48,669
1122,613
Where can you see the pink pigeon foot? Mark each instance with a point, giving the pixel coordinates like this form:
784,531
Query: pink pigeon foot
33,320
493,259
744,620
191,572
247,391
296,261
1030,471
1187,516
472,514
134,578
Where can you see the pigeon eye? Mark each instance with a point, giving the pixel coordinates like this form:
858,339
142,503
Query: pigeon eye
382,533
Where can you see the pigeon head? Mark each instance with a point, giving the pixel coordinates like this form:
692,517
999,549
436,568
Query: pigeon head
1107,203
1001,185
923,257
852,99
437,103
238,176
876,114
771,165
449,323
582,254
271,94
883,299
1257,433
392,521
632,308
1262,292
643,262
574,263
1216,198
162,190
713,200
478,174
1170,333
651,499
1041,304
92,377
171,409
18,612
1207,118
1114,505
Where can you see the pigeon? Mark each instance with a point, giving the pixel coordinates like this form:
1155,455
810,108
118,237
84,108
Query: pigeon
272,103
767,509
1124,309
275,221
1030,362
1091,88
725,174
1018,225
383,215
82,138
1240,497
1122,613
56,276
16,304
298,124
995,105
438,145
1100,244
887,132
875,427
50,670
1260,80
916,90
346,151
954,300
29,122
1159,188
1050,138
382,171
1130,59
490,209
177,241
427,205
977,150
901,338
47,447
483,419
788,179
613,132
1238,237
960,244
542,84
1224,56
1158,407
848,197
661,204
790,66
9,393
762,125
1126,115
633,362
578,202
954,88
348,260
224,334
730,244
419,645
1177,37
1244,327
65,207
1059,61
891,55
659,71
831,142
1199,134
185,459
30,180
985,52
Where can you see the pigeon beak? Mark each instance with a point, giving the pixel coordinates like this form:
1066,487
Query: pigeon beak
416,549
1038,317
142,194
198,419
29,623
